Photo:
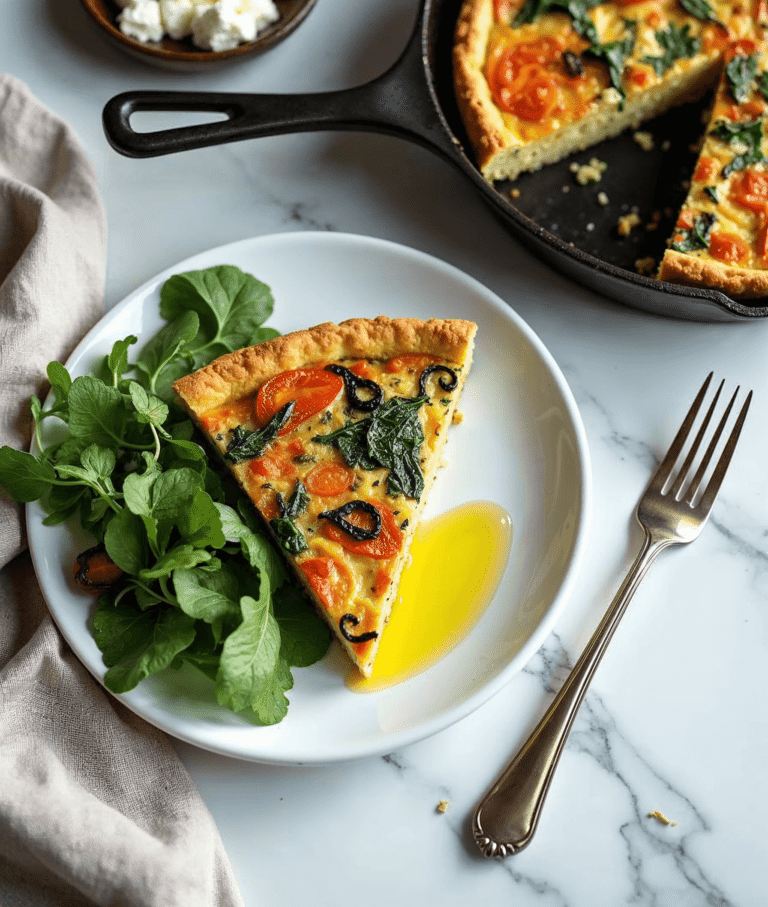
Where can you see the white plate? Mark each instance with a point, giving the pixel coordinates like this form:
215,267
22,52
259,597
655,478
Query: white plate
522,445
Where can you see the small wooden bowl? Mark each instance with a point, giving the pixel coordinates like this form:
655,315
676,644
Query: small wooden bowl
183,55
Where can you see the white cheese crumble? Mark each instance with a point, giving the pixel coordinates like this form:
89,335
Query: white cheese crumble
212,24
588,173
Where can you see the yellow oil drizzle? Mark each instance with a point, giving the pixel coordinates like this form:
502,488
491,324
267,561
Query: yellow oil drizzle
458,559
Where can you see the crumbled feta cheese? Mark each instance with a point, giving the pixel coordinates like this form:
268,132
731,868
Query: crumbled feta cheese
611,96
140,20
212,24
589,173
602,198
229,23
177,17
644,140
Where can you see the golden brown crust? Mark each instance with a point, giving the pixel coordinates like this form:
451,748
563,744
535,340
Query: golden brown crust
694,271
239,374
482,120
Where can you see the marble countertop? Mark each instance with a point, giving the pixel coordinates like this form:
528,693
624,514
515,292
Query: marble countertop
675,720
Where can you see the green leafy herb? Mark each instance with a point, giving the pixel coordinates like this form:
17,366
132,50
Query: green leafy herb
762,84
747,135
700,9
577,9
697,237
614,54
289,535
391,438
740,72
675,43
203,584
246,445
711,193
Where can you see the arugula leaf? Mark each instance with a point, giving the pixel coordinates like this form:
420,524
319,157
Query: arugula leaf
208,595
232,307
740,72
749,135
126,542
116,363
25,477
696,237
304,636
259,552
711,193
675,43
163,358
252,674
391,437
247,445
135,644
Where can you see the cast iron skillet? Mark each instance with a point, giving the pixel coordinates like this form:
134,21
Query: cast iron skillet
561,221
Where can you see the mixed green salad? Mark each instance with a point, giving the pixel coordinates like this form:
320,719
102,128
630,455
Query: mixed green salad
196,579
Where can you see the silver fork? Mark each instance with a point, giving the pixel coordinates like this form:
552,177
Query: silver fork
672,511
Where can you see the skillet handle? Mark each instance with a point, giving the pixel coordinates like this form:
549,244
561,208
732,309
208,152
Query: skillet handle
399,102
248,116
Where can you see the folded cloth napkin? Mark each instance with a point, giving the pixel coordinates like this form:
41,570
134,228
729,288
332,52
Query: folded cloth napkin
95,805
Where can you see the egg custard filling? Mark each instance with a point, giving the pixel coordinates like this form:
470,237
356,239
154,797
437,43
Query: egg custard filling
336,434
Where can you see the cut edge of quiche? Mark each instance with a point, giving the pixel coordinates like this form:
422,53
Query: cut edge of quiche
502,151
721,237
347,537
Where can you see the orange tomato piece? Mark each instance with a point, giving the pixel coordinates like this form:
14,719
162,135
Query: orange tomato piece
639,75
729,248
271,466
744,47
503,10
241,410
685,220
519,80
385,545
330,579
706,169
312,390
383,580
410,363
328,480
762,242
749,189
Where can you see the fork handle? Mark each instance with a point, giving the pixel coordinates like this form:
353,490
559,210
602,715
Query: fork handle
506,818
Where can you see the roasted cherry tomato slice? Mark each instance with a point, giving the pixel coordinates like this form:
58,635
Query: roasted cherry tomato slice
537,99
386,544
330,580
749,189
329,480
729,248
312,390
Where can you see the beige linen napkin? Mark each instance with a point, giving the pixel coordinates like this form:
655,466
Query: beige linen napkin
95,806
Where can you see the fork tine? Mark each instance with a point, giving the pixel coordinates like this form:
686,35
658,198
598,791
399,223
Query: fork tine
693,488
685,468
710,492
666,466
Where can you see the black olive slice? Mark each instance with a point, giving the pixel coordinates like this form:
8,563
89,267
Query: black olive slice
353,383
446,384
358,533
354,621
574,65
